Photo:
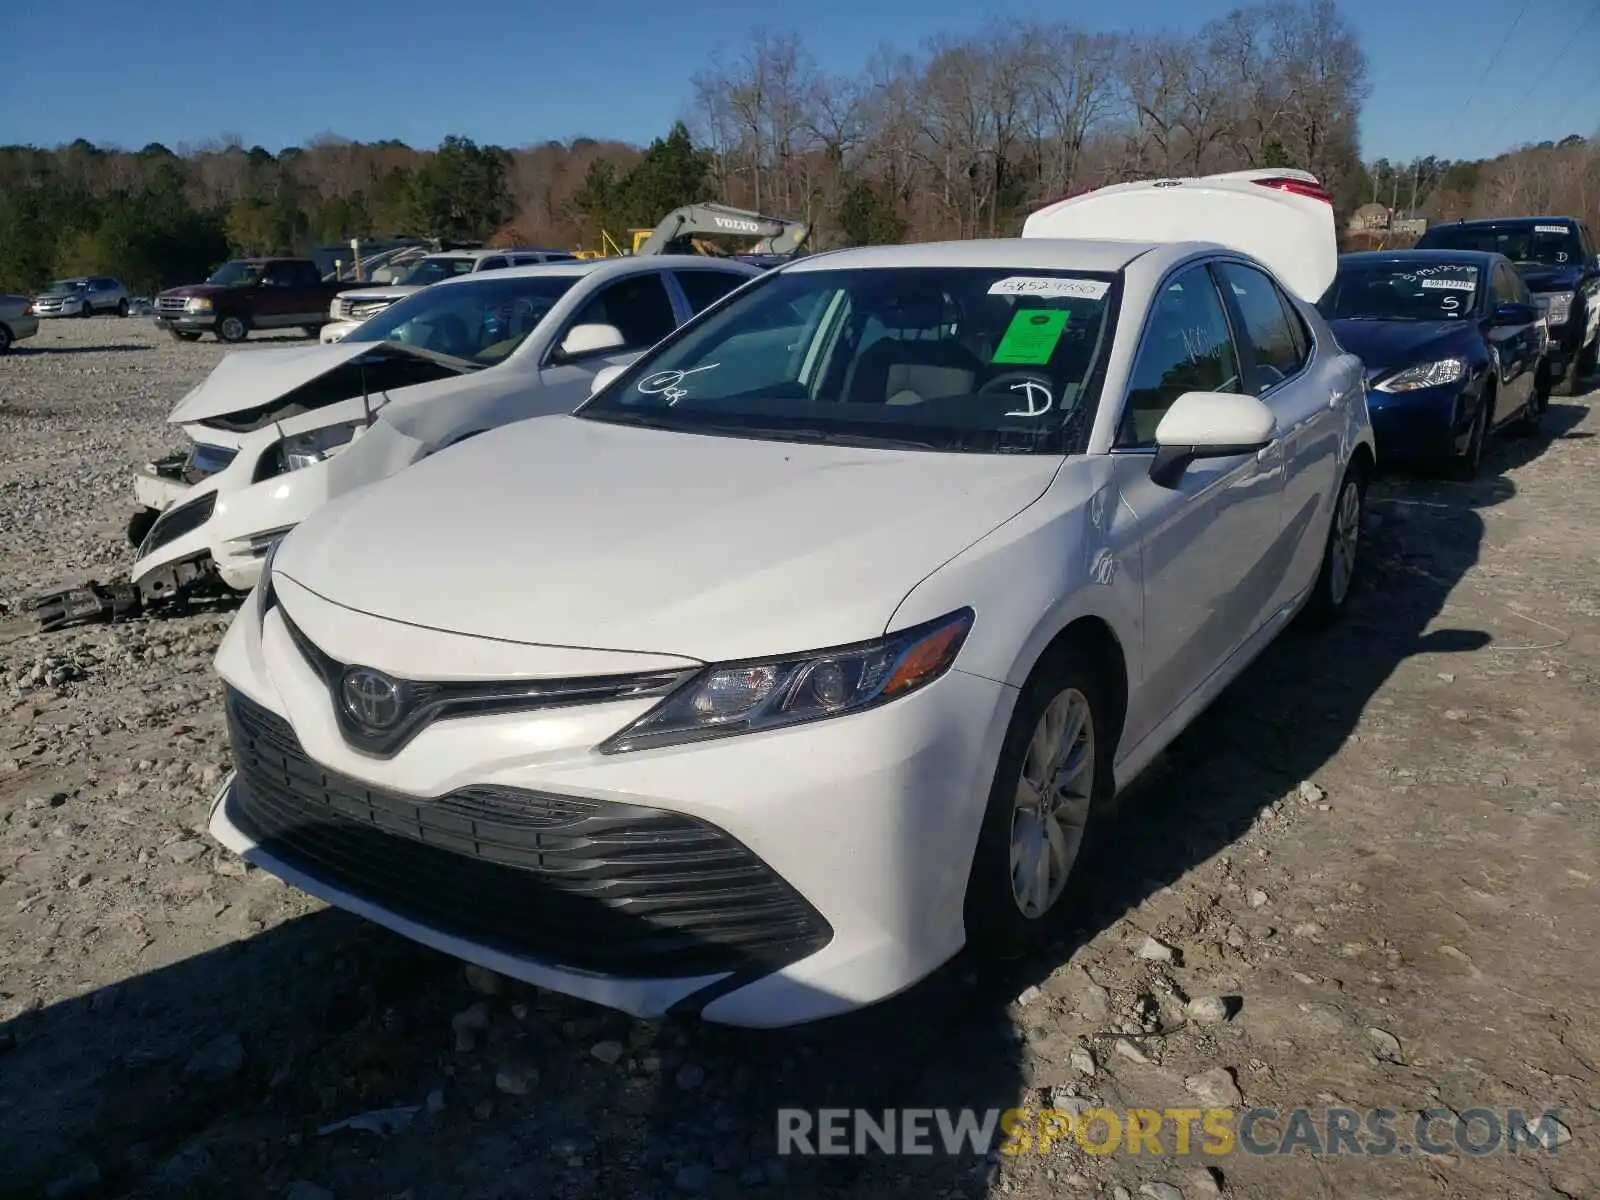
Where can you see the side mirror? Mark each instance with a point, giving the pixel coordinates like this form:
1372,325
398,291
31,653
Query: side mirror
1515,314
603,377
590,339
1209,425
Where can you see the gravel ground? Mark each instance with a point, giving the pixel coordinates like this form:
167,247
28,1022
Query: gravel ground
1366,878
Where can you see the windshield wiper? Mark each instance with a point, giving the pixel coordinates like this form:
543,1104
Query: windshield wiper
831,437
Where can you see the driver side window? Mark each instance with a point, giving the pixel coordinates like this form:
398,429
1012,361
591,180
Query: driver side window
1186,347
638,306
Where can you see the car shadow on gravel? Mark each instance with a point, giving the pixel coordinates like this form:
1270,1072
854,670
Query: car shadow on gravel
213,1075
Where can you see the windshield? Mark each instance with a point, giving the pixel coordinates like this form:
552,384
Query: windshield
481,320
1525,243
66,285
236,272
963,359
432,270
1401,291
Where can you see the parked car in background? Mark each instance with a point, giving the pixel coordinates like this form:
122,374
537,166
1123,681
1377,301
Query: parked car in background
279,432
350,308
16,320
1454,347
82,297
1558,259
808,650
248,294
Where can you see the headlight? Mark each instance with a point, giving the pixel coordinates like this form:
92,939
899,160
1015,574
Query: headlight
318,445
200,304
1558,306
1446,370
770,693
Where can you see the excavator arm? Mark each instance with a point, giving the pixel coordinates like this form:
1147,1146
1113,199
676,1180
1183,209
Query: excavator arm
780,235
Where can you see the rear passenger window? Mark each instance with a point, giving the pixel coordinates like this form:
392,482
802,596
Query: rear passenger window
491,264
705,288
1265,324
1186,348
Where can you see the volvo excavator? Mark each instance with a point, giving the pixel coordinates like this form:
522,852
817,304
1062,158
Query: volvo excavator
688,230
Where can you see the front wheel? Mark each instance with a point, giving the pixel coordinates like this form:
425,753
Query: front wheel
312,331
1566,384
1053,778
1589,359
183,335
5,340
1341,555
86,311
232,329
1464,467
122,307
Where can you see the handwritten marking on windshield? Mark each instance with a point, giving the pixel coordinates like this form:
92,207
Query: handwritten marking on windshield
1038,398
665,383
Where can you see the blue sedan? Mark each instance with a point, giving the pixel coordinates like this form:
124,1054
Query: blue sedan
1454,347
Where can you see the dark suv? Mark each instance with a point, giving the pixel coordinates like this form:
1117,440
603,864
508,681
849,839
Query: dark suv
1558,260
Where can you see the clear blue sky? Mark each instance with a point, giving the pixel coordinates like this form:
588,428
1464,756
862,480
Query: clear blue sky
279,72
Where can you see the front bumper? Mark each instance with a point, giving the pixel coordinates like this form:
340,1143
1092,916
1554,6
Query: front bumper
1424,426
58,308
854,835
335,331
186,322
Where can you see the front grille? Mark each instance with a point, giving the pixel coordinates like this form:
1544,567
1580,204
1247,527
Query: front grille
368,308
575,883
425,701
176,522
172,304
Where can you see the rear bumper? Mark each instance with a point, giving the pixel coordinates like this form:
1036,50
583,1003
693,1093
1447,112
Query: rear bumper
22,327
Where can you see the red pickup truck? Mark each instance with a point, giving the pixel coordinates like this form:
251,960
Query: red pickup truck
250,293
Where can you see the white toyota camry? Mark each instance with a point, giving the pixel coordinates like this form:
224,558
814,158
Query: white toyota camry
807,650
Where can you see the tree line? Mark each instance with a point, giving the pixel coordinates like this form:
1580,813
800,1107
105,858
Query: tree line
961,138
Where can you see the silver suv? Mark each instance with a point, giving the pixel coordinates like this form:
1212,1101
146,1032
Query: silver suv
82,297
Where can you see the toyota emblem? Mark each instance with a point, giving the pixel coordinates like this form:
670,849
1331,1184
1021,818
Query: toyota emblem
372,698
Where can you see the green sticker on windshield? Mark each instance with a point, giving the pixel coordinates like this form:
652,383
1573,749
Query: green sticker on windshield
1032,336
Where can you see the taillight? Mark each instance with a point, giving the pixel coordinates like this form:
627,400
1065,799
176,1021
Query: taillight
27,309
1300,187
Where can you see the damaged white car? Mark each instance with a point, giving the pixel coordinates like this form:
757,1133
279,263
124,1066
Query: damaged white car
278,432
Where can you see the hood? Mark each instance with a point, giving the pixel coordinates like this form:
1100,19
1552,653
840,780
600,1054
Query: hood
1385,346
381,291
564,531
1542,277
250,379
191,290
60,294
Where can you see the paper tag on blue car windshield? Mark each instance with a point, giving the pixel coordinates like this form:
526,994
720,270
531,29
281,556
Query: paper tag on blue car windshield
1453,285
1551,229
1050,287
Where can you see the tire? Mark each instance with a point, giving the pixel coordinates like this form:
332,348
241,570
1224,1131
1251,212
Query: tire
312,331
86,311
1589,359
1464,467
5,339
1566,384
1527,425
1009,909
184,335
232,329
1341,552
122,307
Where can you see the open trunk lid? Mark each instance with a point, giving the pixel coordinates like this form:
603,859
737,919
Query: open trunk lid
1281,218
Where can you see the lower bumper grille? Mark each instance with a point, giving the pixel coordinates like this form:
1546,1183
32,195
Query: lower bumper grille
582,884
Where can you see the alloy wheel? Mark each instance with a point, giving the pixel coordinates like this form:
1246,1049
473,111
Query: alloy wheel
232,329
1054,795
1346,541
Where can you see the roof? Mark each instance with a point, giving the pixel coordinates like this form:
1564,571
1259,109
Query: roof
1485,221
477,252
1006,253
1474,257
630,265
